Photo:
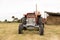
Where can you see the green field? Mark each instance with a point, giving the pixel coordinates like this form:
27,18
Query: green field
9,31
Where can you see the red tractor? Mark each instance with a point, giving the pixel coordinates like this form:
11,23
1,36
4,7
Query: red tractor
32,20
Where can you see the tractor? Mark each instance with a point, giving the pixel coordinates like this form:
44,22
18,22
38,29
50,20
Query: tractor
30,21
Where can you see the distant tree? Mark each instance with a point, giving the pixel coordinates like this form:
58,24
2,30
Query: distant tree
5,20
19,21
13,17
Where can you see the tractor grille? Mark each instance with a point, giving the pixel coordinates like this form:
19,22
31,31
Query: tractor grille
31,21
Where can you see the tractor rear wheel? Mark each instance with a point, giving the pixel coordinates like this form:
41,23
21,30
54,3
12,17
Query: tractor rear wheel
41,26
20,29
23,20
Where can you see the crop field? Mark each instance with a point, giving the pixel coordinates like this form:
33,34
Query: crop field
9,31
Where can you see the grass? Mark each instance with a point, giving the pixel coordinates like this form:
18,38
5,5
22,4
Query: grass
9,31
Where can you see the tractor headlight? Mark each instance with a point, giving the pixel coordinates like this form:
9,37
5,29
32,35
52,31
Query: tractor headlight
26,20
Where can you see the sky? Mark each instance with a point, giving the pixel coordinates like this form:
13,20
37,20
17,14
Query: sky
18,8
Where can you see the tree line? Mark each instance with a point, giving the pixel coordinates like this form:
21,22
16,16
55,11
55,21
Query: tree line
14,20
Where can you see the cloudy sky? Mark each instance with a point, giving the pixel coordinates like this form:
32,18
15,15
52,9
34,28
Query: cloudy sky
17,8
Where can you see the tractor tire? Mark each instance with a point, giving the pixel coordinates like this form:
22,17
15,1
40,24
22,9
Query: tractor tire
20,29
41,30
23,20
41,26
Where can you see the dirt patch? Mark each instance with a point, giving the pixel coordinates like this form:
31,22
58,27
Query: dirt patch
54,37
